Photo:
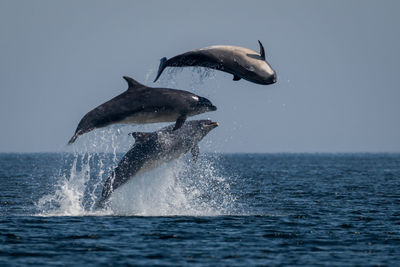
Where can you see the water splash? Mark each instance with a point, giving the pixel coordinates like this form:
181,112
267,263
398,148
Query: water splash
202,74
75,191
196,76
180,187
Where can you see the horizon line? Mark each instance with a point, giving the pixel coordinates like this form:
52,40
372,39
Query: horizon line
211,152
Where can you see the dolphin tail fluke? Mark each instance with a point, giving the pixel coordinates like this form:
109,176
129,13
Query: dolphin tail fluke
161,67
72,140
78,133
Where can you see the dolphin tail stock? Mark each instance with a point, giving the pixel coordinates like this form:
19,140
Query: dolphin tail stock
105,194
161,68
100,204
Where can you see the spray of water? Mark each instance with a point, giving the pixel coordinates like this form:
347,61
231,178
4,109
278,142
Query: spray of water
180,187
195,75
72,193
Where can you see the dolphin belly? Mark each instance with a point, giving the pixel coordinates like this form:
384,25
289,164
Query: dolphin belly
150,117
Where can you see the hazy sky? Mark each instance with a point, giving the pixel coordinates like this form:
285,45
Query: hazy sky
337,66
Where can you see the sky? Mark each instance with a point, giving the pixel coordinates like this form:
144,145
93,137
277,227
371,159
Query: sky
336,61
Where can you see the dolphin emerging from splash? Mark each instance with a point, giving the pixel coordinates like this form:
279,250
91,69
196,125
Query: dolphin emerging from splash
152,149
242,63
141,104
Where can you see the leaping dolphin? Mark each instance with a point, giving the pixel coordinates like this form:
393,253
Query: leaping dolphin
241,62
152,149
141,104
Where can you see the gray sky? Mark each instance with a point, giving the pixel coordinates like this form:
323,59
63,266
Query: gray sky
337,66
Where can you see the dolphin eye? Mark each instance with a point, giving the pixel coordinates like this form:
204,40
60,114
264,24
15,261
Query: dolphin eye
250,67
195,98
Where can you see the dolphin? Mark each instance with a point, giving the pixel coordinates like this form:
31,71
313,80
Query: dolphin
151,149
141,104
242,62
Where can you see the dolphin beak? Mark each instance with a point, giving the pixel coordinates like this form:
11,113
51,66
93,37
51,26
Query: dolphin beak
211,125
213,108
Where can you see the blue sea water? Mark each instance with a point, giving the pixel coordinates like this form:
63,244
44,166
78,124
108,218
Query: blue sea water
225,209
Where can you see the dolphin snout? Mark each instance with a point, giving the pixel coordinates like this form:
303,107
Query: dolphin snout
211,124
212,108
271,79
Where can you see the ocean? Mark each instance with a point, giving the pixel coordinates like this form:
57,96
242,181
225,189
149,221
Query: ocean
224,210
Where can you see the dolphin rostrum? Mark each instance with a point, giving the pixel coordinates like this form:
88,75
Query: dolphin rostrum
242,62
141,104
151,149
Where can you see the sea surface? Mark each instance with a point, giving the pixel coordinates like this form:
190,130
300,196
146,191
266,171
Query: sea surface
224,210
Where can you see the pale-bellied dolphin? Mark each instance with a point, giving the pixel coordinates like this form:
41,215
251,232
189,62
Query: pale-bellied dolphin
141,104
152,149
239,61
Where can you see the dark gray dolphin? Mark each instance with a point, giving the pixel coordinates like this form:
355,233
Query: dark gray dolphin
141,104
241,62
152,149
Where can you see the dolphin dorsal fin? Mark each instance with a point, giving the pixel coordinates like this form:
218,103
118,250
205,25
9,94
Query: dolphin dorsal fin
140,136
132,84
262,52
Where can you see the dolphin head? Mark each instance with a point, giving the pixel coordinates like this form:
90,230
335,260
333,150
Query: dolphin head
265,74
259,71
197,129
207,125
202,104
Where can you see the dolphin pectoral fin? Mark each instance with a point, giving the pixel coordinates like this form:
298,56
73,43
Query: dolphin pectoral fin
180,121
195,152
262,52
236,78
